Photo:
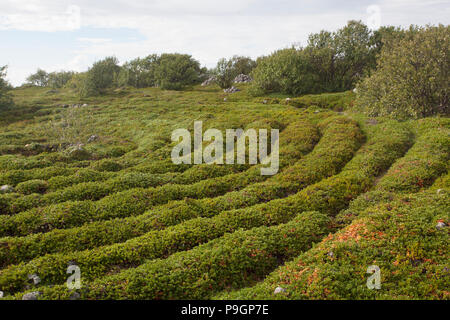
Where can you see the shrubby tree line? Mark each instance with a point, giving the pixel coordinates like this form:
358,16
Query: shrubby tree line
5,87
396,72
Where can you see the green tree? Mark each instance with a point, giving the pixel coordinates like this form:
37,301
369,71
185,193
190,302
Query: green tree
140,72
224,73
227,70
174,71
59,79
39,78
5,98
412,77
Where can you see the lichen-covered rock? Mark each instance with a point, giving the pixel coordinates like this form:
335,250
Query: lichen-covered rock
279,290
242,78
31,296
6,189
209,81
231,90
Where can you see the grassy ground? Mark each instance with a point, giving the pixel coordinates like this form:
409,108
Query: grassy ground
352,192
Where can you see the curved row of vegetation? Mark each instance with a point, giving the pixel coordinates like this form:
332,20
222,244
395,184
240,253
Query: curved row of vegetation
328,196
381,227
339,140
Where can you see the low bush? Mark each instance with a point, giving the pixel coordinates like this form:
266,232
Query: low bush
233,260
32,186
398,235
328,196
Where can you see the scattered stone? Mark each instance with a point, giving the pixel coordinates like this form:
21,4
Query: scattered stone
440,225
93,138
209,81
439,191
242,78
288,99
372,122
264,101
52,91
6,189
77,152
64,106
231,90
355,90
330,254
1,294
85,105
35,278
225,99
317,111
31,295
279,290
146,95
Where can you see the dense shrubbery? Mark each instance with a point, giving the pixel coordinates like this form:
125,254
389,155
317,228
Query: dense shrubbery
328,196
330,62
233,260
175,71
227,70
140,72
320,163
397,233
5,98
412,78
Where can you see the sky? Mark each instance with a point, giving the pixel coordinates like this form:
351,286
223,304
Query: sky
72,34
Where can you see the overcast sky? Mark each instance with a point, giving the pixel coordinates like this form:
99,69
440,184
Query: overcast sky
71,34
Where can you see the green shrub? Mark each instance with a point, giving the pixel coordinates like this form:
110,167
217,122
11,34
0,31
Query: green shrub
227,70
426,160
411,80
233,260
5,98
39,78
331,62
32,186
402,239
176,71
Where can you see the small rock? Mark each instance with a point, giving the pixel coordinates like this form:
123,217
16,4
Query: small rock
242,78
231,90
264,101
355,90
6,189
225,99
279,290
93,138
85,105
330,254
439,191
288,99
31,296
1,294
317,111
440,225
35,278
208,81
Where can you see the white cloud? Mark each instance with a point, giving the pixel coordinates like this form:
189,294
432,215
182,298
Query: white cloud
206,29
